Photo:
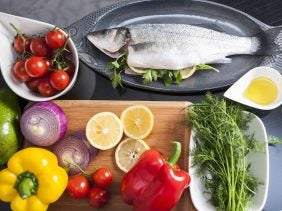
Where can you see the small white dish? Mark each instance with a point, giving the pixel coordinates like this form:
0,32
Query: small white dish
259,168
8,55
235,92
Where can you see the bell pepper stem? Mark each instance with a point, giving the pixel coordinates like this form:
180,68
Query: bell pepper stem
176,152
26,184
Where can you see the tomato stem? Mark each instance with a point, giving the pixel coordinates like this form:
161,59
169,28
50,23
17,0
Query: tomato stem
20,34
17,30
56,59
77,166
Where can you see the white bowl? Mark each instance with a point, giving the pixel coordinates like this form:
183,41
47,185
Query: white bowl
259,168
8,56
235,92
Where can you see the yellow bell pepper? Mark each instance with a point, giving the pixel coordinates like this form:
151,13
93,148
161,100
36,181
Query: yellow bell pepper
32,180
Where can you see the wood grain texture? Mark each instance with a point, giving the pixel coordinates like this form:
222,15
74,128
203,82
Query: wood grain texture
169,125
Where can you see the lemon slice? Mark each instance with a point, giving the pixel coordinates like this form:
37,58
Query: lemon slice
137,70
188,72
104,130
128,152
137,121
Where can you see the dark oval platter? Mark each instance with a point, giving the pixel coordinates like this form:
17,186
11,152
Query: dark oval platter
201,13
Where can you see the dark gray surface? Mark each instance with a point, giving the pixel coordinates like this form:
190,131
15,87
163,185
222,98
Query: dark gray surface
65,12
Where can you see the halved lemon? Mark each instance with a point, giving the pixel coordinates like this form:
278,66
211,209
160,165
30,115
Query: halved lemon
104,130
128,152
137,121
188,72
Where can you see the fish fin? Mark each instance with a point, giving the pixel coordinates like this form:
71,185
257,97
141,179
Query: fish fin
268,42
224,60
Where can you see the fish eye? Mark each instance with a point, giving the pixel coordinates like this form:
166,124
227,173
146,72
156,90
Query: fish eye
104,32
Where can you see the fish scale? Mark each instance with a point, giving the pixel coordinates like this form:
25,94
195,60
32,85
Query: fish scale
178,46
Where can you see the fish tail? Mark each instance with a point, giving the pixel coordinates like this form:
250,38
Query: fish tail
268,42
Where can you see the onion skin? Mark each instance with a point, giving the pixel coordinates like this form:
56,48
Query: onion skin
43,115
77,151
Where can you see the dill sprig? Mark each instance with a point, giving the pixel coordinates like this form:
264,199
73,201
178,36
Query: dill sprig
220,152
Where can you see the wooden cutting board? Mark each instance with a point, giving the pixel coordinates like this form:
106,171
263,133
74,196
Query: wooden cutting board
169,126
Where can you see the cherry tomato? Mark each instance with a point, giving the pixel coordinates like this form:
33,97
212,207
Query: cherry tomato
78,186
48,64
33,84
20,72
45,88
35,66
19,44
98,197
59,79
102,177
39,47
55,38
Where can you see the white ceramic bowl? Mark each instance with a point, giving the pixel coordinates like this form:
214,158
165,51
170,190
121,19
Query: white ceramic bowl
8,56
235,92
259,168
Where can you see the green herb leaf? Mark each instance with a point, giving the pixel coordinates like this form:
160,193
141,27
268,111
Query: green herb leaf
168,78
117,66
219,155
206,67
178,76
116,79
149,76
274,140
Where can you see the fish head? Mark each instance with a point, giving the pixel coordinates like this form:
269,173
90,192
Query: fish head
110,41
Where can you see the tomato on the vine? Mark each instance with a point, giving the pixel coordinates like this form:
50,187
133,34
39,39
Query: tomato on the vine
45,88
39,47
47,68
35,66
20,72
49,65
98,197
102,177
55,38
33,84
70,68
78,186
59,79
21,44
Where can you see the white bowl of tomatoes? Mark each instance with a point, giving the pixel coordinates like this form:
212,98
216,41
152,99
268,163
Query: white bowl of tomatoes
38,61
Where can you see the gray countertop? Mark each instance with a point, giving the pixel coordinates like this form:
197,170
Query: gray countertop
93,86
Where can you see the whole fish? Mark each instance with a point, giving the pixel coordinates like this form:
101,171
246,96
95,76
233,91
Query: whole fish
177,46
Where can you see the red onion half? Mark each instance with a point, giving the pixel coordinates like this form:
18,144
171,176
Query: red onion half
72,154
43,123
82,137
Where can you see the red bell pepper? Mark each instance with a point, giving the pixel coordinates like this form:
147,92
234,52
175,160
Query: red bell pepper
154,184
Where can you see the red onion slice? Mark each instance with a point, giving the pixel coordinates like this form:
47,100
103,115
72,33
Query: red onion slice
82,137
43,123
72,154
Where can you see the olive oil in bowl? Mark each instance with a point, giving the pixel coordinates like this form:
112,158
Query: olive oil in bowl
262,90
259,88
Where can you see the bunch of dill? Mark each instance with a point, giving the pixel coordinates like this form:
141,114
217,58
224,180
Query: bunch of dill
220,152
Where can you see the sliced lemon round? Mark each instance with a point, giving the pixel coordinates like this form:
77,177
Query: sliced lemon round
104,130
128,152
188,72
137,121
